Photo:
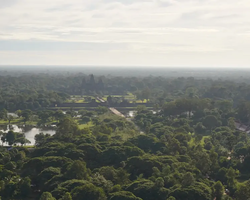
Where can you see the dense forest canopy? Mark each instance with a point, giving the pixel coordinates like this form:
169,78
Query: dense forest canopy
188,139
41,91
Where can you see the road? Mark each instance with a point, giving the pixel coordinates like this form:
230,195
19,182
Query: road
116,112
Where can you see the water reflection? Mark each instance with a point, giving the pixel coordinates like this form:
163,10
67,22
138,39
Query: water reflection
13,115
29,131
132,113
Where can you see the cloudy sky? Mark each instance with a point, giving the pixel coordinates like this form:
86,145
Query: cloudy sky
211,33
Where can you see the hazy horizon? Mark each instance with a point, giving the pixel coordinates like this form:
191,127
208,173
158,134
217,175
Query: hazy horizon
116,67
126,71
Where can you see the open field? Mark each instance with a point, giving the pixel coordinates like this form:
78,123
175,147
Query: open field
82,126
128,96
82,98
74,108
192,141
18,121
3,122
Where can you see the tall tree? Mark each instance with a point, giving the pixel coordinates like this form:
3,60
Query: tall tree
25,187
47,196
211,122
188,179
243,191
11,137
67,196
3,114
88,191
26,114
78,170
67,128
218,190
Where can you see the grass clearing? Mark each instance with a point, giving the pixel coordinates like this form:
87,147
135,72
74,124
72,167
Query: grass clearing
139,101
80,101
86,125
75,101
202,142
81,98
18,121
191,142
74,108
129,96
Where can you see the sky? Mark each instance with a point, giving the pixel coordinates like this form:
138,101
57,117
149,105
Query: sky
191,33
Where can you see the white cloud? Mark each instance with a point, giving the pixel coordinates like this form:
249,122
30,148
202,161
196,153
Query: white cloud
139,31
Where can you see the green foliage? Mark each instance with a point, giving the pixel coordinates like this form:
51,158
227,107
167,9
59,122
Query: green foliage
11,137
40,138
218,190
77,170
243,191
188,179
25,187
142,165
199,128
3,114
36,165
115,155
47,196
211,122
88,191
193,146
117,176
72,183
67,128
147,143
146,190
26,114
67,196
196,191
47,174
171,198
123,195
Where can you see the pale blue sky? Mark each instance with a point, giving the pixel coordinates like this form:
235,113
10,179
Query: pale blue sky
197,33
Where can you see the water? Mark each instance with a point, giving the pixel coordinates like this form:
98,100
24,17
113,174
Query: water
132,113
29,131
13,115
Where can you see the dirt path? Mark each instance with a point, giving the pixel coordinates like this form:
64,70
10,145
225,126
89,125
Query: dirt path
116,112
